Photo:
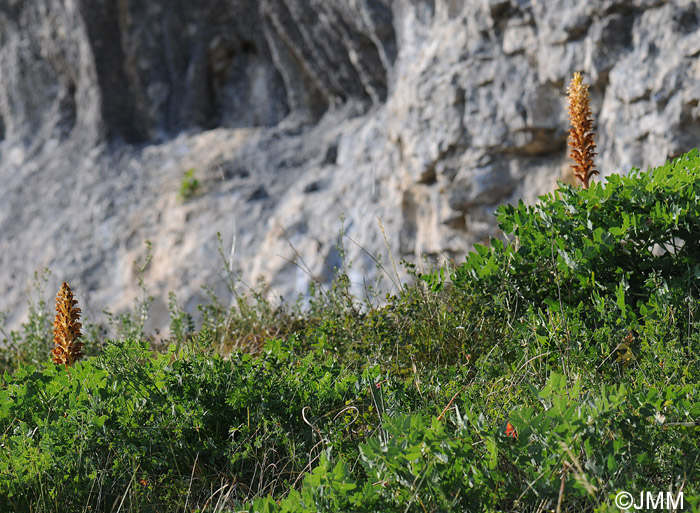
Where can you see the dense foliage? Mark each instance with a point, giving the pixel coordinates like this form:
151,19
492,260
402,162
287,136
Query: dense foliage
548,372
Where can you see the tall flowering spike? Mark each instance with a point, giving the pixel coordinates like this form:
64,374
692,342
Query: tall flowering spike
66,328
581,132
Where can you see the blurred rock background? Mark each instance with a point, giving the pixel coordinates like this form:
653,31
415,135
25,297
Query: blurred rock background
293,114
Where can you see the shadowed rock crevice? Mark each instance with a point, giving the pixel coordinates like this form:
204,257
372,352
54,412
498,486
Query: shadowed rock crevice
336,52
120,107
159,67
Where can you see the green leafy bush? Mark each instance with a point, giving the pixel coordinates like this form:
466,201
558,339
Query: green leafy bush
580,448
189,186
173,422
634,238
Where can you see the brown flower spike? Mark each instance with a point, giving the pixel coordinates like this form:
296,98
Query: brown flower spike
66,328
581,132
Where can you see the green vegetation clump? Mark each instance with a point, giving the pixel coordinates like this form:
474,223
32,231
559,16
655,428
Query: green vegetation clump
549,371
189,185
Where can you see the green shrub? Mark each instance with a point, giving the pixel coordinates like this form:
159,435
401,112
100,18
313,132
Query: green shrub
174,422
634,238
577,447
617,261
189,186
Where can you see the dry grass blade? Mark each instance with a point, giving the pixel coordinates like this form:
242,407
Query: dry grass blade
581,132
66,328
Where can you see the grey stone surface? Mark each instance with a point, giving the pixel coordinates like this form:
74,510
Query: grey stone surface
426,114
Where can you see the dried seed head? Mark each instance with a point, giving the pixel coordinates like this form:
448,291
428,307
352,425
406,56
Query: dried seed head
66,328
581,132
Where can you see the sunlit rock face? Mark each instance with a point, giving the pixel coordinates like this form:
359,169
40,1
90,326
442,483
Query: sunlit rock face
302,120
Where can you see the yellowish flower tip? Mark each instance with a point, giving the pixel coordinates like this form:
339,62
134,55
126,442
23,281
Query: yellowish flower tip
66,328
581,131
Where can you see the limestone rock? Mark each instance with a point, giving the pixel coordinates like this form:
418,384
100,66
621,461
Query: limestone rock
426,114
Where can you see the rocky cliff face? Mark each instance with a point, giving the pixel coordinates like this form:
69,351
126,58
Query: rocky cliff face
427,114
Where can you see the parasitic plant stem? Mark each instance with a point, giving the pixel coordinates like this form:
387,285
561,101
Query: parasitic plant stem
66,328
581,132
